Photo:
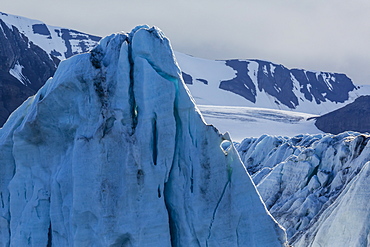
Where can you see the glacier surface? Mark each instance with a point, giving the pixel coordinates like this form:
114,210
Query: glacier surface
112,151
316,186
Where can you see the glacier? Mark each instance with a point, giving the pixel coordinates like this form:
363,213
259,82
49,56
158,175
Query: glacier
241,122
316,186
112,151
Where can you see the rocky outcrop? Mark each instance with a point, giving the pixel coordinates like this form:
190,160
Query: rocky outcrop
24,68
288,87
30,51
352,117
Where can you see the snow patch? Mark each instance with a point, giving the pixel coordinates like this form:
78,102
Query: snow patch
253,71
272,69
16,72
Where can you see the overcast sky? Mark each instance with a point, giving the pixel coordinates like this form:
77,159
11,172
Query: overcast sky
325,35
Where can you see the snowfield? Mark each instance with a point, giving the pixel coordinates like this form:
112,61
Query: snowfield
243,122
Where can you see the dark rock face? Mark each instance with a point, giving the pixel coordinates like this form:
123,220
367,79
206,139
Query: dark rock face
353,117
277,82
326,86
280,82
187,78
25,67
41,29
33,63
242,84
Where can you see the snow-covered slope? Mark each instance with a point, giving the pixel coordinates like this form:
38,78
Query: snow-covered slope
112,151
30,51
59,42
316,186
242,122
246,83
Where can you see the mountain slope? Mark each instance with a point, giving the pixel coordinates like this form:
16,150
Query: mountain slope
60,42
24,69
112,151
264,84
354,117
30,52
246,83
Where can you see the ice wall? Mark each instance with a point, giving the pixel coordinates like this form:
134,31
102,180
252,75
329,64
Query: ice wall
113,152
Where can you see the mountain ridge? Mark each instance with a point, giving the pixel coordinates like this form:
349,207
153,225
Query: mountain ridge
265,84
234,82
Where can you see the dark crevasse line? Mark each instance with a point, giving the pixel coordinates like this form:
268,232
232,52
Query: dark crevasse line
172,227
170,212
159,191
155,142
313,173
192,180
132,100
2,199
171,222
50,237
215,211
167,190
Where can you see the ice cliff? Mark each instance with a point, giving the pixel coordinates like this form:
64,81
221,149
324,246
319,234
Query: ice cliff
316,186
113,152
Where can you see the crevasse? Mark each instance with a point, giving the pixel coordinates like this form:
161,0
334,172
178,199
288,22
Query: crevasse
314,185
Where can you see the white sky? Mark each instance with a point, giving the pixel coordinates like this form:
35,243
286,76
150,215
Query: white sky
325,35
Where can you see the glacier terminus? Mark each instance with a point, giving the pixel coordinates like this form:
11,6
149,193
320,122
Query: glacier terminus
112,151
